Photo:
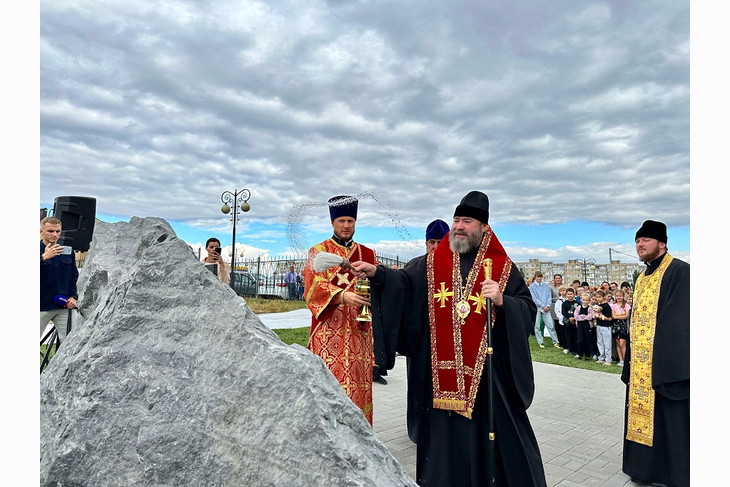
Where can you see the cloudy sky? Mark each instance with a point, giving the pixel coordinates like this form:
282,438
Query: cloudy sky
574,117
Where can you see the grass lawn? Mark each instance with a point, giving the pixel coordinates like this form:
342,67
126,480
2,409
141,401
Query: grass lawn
261,305
294,335
50,355
555,356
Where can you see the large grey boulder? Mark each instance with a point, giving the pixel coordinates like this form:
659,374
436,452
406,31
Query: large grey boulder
170,379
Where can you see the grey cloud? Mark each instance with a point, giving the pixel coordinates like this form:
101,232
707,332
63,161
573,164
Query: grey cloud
536,103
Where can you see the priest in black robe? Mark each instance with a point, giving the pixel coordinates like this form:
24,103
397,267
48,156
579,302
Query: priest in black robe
656,370
439,304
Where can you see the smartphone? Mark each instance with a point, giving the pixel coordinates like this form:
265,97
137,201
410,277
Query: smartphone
67,250
212,268
217,250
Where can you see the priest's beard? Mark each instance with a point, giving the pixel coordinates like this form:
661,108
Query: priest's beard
463,246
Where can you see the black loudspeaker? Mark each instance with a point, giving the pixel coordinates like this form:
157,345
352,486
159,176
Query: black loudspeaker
77,215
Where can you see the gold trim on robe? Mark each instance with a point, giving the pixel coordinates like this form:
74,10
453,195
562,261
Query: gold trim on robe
458,320
344,344
640,419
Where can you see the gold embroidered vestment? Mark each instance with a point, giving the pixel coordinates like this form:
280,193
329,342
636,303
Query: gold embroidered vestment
640,419
344,344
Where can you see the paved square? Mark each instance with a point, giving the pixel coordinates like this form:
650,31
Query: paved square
577,416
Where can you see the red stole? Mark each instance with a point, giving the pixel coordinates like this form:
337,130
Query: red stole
458,321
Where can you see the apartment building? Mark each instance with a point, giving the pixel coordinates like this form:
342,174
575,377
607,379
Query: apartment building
583,269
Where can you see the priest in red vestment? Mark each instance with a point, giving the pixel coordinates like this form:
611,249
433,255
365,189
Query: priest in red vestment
468,392
344,343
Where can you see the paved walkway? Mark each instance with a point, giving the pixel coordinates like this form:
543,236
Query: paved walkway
577,416
289,319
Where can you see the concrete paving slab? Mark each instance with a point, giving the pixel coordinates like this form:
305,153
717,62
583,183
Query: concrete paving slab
577,416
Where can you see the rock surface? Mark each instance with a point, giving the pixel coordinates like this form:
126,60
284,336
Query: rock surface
170,379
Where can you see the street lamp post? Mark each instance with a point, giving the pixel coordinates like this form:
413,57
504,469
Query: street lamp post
584,263
230,199
610,264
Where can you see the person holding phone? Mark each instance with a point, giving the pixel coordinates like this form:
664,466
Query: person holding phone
58,278
213,247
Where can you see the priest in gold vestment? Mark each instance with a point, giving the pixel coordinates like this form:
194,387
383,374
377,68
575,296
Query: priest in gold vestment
656,370
344,343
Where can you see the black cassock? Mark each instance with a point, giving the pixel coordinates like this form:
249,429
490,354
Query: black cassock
451,449
667,460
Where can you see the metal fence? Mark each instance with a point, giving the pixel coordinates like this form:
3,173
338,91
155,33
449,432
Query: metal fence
276,267
270,272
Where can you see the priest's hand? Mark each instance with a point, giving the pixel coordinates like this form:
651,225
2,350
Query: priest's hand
490,289
365,269
353,299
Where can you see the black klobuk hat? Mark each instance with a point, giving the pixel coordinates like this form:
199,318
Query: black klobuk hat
474,205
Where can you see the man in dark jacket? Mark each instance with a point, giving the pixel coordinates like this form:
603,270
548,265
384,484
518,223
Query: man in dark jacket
58,278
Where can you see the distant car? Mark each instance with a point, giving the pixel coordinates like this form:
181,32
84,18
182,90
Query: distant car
245,284
273,290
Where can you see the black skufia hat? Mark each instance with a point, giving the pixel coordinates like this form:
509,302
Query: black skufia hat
652,229
474,205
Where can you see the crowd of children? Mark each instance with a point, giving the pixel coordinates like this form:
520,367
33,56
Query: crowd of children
593,323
